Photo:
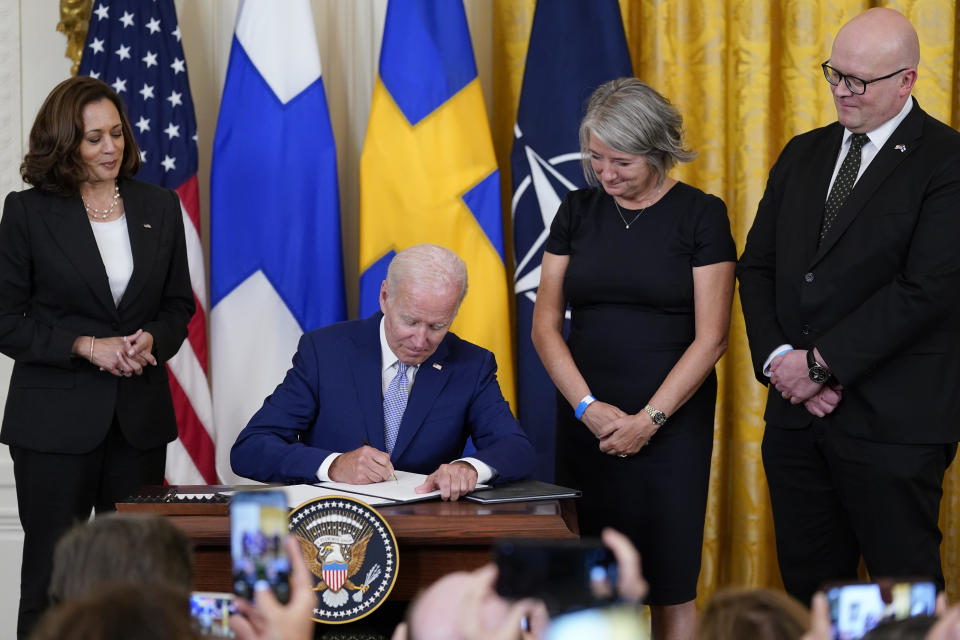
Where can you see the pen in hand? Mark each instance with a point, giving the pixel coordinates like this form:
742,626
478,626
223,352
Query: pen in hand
393,476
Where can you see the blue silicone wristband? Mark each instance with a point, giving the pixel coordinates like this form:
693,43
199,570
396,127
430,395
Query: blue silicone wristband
583,406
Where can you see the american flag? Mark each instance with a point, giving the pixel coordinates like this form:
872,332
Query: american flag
134,46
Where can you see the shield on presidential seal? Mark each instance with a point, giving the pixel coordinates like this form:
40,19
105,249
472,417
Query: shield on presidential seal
335,574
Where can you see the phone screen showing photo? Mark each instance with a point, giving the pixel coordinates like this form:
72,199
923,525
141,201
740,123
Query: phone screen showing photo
855,609
258,528
211,613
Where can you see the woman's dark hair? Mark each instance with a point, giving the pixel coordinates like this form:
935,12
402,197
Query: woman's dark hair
121,611
53,162
141,548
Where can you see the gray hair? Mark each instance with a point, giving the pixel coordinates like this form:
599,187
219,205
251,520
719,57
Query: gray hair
428,265
628,115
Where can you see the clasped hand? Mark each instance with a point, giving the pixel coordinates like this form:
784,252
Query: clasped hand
789,374
620,433
124,356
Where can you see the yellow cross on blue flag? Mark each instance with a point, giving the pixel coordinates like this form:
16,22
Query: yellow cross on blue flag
428,171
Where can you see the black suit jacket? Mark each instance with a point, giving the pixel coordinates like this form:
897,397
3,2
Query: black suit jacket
880,297
53,288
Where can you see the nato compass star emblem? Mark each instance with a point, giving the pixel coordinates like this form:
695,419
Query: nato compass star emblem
549,186
352,553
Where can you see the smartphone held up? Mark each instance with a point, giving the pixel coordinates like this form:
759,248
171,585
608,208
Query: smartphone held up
258,528
856,608
566,574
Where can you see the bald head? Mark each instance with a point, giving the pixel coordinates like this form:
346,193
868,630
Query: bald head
881,33
880,47
441,612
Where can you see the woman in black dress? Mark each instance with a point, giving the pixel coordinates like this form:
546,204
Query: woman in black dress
646,265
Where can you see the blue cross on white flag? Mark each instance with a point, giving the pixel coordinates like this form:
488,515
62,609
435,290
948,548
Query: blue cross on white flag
276,267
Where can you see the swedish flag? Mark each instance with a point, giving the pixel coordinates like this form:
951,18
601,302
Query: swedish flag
428,171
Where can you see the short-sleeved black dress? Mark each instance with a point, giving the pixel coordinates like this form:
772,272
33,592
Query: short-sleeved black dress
632,316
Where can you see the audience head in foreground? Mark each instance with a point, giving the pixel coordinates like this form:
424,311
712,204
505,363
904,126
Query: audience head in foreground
464,605
137,548
121,611
758,614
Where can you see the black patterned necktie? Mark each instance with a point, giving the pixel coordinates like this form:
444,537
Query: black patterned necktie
843,185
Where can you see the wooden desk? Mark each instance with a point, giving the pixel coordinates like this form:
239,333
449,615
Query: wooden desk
434,538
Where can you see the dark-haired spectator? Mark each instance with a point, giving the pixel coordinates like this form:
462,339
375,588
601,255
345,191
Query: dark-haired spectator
141,548
121,611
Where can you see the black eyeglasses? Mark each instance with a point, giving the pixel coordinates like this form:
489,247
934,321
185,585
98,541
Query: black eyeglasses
856,85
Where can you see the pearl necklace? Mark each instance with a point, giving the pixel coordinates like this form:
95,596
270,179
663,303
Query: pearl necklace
627,224
98,214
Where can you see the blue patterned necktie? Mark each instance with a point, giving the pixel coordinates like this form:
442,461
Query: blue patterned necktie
843,184
394,403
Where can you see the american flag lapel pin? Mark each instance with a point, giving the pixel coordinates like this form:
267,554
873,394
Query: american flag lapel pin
901,148
438,366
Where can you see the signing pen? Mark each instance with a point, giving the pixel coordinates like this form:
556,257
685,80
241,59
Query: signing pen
393,476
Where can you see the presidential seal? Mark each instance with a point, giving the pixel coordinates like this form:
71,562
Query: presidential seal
352,554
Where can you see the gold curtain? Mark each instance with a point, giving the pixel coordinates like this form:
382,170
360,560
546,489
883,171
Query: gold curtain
746,76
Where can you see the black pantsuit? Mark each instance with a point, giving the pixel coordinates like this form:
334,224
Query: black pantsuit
80,438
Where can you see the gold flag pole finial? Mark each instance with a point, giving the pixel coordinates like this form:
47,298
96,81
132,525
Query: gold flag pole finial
74,20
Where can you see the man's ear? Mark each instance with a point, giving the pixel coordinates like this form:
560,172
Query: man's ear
383,297
400,633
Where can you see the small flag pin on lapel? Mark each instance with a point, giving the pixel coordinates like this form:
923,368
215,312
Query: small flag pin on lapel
437,366
148,226
901,148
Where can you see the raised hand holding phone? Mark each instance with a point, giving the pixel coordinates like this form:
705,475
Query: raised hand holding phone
258,527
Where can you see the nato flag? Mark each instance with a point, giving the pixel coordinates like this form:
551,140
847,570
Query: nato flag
545,164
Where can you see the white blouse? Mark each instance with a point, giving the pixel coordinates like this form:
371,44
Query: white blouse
114,244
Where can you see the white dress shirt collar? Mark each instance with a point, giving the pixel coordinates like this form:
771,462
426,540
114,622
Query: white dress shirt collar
881,134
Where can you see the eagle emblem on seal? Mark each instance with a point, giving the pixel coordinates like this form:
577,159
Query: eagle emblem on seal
335,559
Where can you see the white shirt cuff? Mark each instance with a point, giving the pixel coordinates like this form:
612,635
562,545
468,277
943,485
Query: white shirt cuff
779,351
484,471
323,473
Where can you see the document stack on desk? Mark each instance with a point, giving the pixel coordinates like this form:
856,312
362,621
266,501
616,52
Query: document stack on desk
403,490
398,491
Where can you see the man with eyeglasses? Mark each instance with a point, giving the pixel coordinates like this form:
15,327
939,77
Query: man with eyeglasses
850,285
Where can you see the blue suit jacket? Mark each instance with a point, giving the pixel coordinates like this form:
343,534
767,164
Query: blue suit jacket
331,401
